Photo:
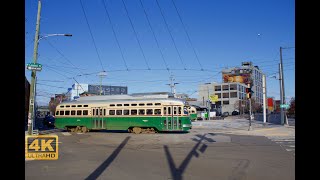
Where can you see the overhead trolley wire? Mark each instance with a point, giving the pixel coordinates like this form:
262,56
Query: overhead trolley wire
114,33
125,7
92,35
171,35
145,12
184,27
62,55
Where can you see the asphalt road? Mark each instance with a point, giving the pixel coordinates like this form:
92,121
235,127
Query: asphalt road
200,154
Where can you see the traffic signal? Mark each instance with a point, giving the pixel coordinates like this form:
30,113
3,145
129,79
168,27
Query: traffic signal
248,92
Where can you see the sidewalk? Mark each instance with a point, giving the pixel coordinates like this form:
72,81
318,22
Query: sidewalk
241,127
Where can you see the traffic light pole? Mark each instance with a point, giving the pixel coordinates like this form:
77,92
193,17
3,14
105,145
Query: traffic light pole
249,97
33,74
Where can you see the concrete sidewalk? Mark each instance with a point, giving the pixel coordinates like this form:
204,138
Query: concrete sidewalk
241,127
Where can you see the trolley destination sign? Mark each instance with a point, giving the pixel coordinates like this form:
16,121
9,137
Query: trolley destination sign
34,66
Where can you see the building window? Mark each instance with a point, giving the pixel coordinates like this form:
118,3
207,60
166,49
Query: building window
225,95
233,94
233,86
217,88
225,87
225,102
219,95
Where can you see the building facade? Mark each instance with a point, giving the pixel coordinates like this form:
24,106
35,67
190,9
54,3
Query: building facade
231,96
246,74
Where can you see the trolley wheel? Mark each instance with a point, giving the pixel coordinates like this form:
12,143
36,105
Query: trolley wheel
78,129
84,129
137,130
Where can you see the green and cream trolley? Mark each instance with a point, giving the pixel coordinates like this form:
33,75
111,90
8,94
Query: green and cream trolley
135,115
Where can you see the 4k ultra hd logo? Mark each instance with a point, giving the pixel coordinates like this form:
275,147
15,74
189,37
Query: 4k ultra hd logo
42,147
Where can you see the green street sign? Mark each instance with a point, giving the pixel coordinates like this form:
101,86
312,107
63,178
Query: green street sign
284,105
34,66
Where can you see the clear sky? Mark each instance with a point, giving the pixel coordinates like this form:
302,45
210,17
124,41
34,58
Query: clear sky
135,42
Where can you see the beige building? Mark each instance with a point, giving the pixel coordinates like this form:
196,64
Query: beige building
231,96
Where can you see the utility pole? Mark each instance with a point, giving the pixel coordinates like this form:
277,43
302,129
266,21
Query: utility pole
282,91
264,98
172,86
33,73
102,75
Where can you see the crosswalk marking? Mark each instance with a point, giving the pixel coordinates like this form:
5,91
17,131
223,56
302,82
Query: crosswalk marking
286,143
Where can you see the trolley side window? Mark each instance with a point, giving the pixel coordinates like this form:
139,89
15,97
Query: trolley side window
126,112
133,112
157,111
67,113
149,111
73,112
85,112
61,113
141,111
79,112
57,112
119,112
112,112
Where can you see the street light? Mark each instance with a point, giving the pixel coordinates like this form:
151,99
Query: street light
35,67
48,35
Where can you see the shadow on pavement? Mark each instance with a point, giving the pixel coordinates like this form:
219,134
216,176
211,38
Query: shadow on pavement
95,174
176,173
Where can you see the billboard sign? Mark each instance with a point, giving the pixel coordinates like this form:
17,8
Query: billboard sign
238,75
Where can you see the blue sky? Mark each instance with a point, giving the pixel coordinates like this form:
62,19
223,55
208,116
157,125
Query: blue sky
223,34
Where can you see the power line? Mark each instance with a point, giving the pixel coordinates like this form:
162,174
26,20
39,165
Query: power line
171,35
136,35
114,33
51,86
92,36
62,54
154,35
187,33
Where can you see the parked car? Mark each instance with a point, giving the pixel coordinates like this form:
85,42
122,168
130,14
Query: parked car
225,114
49,121
235,113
